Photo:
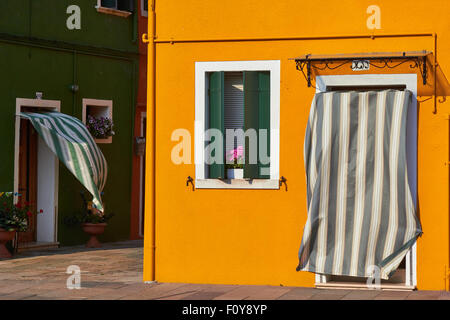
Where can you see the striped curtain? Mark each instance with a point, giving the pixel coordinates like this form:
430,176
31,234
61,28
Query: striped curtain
360,209
72,143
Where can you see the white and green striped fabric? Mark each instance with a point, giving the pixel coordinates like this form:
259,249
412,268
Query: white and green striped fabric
72,143
360,208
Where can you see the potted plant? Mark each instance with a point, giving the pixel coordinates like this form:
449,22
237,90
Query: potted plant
92,221
100,128
14,217
235,163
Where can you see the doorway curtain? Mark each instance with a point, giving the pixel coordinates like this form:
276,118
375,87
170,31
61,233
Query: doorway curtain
360,210
72,143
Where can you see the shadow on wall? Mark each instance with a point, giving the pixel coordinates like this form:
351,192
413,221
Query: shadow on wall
442,84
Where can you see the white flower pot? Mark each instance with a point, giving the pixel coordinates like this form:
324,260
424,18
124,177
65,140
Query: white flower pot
235,173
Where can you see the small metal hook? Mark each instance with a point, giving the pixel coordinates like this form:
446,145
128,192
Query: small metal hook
191,181
145,38
283,180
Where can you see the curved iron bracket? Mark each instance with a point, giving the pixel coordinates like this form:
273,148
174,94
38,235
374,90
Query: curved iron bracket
380,62
283,180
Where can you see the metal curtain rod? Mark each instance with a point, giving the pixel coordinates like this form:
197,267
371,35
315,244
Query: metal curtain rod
364,55
417,58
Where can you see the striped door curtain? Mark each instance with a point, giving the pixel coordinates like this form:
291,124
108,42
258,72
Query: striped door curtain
72,143
360,210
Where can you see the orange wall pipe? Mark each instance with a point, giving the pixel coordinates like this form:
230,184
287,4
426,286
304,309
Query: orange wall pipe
435,72
362,36
149,227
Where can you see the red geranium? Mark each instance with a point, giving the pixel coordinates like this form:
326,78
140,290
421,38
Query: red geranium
14,216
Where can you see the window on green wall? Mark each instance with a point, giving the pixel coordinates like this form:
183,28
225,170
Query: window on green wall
123,5
144,8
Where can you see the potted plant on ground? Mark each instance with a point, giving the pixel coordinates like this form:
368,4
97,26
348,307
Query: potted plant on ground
235,163
92,221
14,217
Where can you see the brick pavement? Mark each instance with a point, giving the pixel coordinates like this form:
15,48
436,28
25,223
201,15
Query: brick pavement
115,272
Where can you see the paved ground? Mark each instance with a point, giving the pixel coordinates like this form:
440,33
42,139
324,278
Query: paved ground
115,272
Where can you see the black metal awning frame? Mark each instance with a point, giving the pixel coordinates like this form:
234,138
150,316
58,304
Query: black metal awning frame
417,59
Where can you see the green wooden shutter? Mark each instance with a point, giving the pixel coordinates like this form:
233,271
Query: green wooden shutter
257,116
216,117
264,122
251,106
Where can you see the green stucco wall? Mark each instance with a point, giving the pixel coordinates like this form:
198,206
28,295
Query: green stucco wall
39,53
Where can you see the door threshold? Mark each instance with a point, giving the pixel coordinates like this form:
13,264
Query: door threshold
361,286
36,245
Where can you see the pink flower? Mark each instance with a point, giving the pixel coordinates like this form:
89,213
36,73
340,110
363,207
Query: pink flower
240,151
237,153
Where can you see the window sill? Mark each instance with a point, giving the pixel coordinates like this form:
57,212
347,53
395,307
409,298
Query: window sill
363,286
106,140
236,184
114,12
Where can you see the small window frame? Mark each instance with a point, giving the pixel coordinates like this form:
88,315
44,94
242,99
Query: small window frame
144,12
112,11
105,108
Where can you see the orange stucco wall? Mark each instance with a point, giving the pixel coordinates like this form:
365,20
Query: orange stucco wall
251,236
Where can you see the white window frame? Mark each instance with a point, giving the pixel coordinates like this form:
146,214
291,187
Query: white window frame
410,81
115,12
106,105
201,68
